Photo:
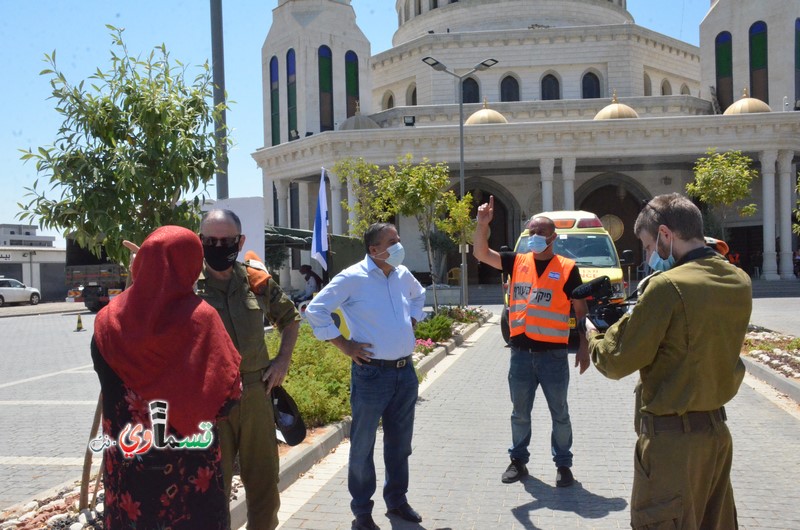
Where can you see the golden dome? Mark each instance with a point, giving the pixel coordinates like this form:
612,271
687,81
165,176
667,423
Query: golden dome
357,122
616,111
485,115
747,105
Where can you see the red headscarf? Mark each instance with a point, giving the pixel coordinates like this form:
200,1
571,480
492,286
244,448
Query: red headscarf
162,340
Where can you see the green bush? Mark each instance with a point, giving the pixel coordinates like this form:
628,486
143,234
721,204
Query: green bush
318,379
438,329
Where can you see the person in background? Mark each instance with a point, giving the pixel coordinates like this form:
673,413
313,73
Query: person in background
313,283
243,296
382,302
684,336
158,343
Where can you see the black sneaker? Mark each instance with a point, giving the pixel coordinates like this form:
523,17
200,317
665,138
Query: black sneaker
514,472
564,477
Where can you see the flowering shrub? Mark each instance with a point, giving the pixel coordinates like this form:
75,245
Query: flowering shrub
425,346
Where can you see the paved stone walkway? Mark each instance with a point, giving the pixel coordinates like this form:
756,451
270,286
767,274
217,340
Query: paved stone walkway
460,450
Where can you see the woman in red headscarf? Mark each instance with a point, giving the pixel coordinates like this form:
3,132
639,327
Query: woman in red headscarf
168,370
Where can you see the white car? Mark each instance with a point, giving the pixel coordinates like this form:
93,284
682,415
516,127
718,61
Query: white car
12,290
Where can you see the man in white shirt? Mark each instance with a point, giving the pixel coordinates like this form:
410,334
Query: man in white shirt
381,301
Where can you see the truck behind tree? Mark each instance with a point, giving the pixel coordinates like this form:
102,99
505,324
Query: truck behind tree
92,280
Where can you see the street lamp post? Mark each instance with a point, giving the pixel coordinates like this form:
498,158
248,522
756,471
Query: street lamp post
440,67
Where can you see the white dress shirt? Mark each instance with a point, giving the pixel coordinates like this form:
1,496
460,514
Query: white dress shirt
377,308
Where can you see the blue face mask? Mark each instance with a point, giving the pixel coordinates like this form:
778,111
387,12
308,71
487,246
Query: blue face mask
537,243
657,263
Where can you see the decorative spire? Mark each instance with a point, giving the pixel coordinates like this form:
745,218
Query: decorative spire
485,102
358,108
744,93
614,97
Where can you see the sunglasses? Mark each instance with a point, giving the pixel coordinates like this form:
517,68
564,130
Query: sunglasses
220,241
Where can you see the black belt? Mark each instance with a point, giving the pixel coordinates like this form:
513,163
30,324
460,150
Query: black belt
394,363
691,421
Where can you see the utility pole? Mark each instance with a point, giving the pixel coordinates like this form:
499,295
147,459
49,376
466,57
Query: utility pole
218,76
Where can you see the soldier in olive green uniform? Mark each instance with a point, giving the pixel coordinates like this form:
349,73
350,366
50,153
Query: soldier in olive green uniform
684,337
250,428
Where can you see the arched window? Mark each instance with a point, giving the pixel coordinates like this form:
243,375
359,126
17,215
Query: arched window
388,100
274,101
685,90
509,89
351,82
325,89
797,62
666,88
417,7
551,88
411,95
759,80
590,86
291,95
648,86
470,91
723,55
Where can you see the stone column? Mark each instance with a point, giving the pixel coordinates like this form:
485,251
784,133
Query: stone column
769,267
335,206
785,197
351,203
568,174
302,196
284,204
546,167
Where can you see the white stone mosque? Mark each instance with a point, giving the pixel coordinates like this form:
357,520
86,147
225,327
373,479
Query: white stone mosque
583,109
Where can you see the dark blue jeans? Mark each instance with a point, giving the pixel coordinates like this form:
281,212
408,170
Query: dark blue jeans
387,394
550,370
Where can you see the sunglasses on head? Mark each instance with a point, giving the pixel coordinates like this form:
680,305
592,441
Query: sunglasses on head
220,241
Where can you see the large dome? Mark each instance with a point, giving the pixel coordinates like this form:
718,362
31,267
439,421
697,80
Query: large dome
747,105
420,17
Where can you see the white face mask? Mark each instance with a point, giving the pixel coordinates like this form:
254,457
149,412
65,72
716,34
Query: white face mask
396,255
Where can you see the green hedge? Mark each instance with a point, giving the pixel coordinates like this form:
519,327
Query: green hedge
318,379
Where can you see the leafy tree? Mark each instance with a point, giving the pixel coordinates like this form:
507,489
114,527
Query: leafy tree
133,143
371,203
412,190
721,179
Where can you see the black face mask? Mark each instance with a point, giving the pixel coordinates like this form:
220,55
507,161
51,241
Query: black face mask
220,258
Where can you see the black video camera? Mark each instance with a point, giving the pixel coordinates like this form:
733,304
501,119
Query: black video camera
602,312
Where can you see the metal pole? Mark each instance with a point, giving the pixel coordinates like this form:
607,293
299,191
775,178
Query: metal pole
463,249
218,77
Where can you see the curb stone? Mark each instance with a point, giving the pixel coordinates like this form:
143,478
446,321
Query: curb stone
303,457
773,378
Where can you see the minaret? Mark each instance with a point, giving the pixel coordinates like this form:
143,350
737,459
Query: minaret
315,64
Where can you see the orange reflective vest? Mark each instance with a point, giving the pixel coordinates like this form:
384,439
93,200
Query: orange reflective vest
538,306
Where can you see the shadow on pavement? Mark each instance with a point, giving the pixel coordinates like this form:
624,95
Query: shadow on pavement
573,499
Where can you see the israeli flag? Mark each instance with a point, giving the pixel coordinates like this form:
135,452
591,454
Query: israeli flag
319,241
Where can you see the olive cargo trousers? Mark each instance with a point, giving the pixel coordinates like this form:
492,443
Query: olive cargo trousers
682,480
249,431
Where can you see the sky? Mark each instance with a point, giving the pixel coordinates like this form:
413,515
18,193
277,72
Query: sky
77,31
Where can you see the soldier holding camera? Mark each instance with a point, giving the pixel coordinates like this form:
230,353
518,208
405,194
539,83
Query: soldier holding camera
540,295
684,337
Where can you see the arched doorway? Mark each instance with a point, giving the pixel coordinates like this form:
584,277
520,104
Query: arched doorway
504,228
620,196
